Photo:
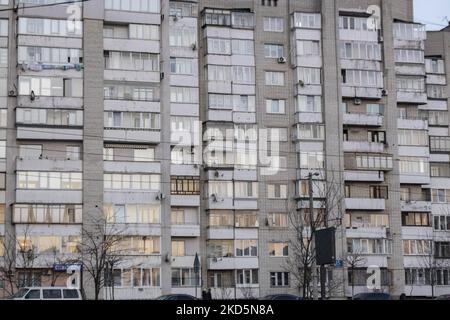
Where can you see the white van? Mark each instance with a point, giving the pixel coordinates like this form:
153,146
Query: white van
47,293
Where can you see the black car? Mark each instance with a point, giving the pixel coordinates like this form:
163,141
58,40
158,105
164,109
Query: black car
281,297
176,297
372,296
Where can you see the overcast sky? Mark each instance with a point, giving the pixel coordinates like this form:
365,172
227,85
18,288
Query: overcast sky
433,13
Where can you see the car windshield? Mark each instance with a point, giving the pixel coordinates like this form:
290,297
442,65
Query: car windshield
19,294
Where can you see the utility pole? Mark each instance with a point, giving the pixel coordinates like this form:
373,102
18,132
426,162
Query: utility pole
313,230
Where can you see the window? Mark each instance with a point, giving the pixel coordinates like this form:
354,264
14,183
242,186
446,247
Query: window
242,20
441,222
221,218
278,249
138,245
374,109
177,217
279,279
273,50
133,61
49,180
309,75
132,120
273,24
307,20
361,50
311,104
137,92
411,84
242,47
378,192
274,78
357,23
363,220
183,95
150,6
277,191
134,277
415,165
246,219
184,185
415,219
184,277
218,46
436,91
369,246
246,248
308,48
47,213
275,106
247,276
50,117
279,220
409,56
311,160
269,3
416,247
442,249
412,137
122,181
3,27
183,36
50,27
359,277
220,189
220,248
409,31
243,75
373,161
216,17
439,144
183,9
435,66
133,213
73,152
311,131
437,118
28,54
362,78
178,248
184,66
244,189
219,73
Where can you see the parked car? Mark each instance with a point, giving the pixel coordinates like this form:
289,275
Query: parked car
176,297
281,297
443,297
372,296
47,293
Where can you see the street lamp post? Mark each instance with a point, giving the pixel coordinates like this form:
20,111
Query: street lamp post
196,271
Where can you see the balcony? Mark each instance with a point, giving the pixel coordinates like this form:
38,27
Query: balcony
37,164
232,263
48,133
365,204
414,124
182,262
361,119
128,75
214,232
133,45
364,176
132,166
132,136
414,178
413,206
366,232
412,97
48,196
363,146
185,200
185,230
361,92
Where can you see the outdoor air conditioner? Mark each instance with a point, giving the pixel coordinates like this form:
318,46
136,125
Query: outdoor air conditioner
384,92
358,101
281,60
301,83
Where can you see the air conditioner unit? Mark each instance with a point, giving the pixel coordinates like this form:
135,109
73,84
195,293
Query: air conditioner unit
358,101
301,83
281,60
380,39
216,174
384,92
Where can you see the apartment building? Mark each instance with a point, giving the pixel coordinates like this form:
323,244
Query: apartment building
192,127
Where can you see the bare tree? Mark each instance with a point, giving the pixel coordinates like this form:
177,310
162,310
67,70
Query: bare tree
354,261
8,265
305,222
100,252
